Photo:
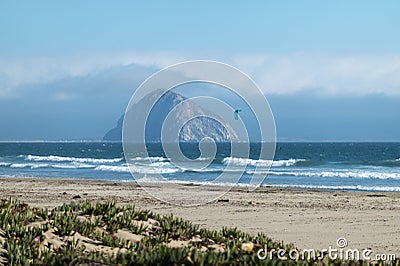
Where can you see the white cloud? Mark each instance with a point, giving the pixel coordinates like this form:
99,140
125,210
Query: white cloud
18,72
323,73
326,74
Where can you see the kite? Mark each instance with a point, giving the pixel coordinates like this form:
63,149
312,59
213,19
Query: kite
236,114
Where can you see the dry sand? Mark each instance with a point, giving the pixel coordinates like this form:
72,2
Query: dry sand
308,219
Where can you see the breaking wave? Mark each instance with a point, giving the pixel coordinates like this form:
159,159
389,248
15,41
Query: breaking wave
260,162
55,158
340,174
355,188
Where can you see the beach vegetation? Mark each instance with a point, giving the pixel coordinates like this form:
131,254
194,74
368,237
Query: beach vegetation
106,233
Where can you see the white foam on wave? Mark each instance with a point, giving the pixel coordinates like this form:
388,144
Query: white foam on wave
139,169
260,162
207,159
112,168
160,164
55,158
73,166
288,162
340,174
153,170
19,165
43,165
152,159
361,188
34,166
151,179
4,164
163,159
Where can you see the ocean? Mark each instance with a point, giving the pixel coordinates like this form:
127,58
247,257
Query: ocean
326,166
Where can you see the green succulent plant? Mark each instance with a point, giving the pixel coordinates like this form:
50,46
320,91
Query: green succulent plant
26,244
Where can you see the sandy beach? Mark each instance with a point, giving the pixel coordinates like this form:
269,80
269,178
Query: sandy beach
308,219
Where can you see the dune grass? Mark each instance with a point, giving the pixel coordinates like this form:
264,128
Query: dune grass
104,233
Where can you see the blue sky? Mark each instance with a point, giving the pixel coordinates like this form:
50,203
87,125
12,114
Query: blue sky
53,27
331,70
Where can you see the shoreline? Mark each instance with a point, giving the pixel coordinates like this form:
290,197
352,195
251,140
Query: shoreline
304,217
222,186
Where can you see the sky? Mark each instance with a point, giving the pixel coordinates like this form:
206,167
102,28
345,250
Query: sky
330,70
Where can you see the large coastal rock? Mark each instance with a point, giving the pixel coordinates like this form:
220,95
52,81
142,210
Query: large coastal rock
193,130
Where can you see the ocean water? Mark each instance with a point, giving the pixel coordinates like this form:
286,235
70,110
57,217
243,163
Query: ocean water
331,166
